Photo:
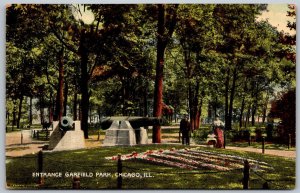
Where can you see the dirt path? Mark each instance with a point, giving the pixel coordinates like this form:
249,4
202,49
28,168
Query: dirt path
289,154
17,147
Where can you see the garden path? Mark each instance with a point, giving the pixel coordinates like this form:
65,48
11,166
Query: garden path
283,153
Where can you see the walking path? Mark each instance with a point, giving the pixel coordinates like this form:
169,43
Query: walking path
283,153
16,146
29,146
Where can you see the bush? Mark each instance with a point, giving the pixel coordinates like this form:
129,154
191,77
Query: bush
200,134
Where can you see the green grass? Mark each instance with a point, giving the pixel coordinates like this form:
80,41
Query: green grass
10,129
19,171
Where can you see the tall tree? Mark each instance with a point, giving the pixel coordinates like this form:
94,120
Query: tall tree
234,21
166,22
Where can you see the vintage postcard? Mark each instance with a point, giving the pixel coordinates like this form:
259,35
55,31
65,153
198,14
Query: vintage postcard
150,96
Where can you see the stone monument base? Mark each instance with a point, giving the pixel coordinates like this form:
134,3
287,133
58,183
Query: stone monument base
66,140
122,133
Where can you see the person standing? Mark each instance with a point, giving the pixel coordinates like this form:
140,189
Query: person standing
218,127
185,130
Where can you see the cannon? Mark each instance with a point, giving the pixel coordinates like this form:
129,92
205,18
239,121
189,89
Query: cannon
66,124
66,135
135,122
127,130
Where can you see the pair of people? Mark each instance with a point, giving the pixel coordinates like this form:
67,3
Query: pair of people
218,127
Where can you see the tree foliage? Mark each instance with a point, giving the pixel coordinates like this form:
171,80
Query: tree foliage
133,60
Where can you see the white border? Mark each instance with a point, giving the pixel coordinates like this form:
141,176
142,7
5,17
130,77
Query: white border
2,76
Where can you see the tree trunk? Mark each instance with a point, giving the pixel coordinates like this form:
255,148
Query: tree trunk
227,121
215,106
194,100
20,111
242,112
265,112
99,113
145,97
191,107
232,93
241,118
61,84
90,109
50,109
60,94
75,105
199,112
30,111
123,96
84,85
14,113
162,41
65,103
7,118
209,111
158,87
42,113
248,116
254,106
253,114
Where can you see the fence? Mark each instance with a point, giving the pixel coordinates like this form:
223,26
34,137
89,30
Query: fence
41,134
246,172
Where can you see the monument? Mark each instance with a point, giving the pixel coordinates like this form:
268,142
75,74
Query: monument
127,130
66,136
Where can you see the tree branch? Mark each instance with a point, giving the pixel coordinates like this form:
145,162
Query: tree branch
173,22
69,47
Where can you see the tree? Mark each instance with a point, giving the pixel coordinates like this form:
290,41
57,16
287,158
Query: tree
166,22
235,23
195,33
285,109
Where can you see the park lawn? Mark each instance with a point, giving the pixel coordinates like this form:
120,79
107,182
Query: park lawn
19,171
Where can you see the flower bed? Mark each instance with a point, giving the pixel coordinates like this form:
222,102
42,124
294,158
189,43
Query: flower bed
197,164
235,159
193,159
211,160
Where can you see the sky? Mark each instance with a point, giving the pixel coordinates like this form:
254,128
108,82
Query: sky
277,17
83,14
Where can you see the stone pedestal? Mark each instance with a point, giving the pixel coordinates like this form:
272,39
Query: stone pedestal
66,140
141,135
122,133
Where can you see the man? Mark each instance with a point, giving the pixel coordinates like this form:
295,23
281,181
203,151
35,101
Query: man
218,127
184,129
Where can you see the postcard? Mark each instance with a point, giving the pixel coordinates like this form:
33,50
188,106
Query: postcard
150,96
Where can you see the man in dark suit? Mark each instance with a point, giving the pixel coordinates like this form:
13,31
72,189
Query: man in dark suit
185,130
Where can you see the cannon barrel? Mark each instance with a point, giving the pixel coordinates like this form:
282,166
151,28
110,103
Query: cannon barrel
66,123
135,122
145,121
